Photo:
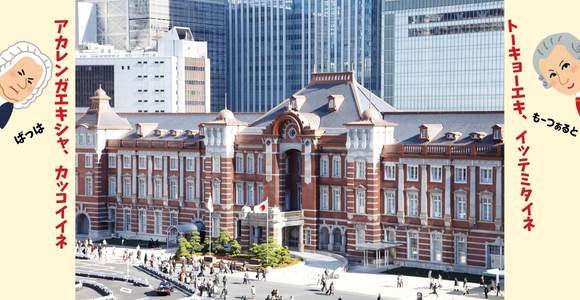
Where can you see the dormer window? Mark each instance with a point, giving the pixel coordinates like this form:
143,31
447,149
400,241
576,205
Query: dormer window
452,136
334,102
173,132
477,136
423,133
296,102
428,131
497,133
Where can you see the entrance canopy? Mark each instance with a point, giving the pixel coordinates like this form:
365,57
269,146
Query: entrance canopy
377,247
185,228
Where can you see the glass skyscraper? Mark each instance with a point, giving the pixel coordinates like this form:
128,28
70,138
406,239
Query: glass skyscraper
416,54
442,55
275,45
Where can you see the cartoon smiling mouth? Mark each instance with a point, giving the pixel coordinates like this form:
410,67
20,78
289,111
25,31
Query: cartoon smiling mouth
570,87
15,90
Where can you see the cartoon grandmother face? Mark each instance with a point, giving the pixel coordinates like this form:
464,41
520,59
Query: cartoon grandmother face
19,81
561,70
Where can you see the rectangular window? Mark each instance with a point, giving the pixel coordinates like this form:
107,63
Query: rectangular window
250,164
260,193
127,187
336,192
460,174
112,161
436,205
413,245
215,164
157,188
142,162
336,166
239,163
216,191
189,164
250,187
436,173
436,247
390,203
239,193
88,161
360,237
360,200
173,219
189,190
324,166
157,221
112,186
157,163
389,172
173,164
412,173
126,220
126,161
323,198
215,226
142,221
173,188
485,175
307,236
260,164
360,169
142,187
460,206
89,185
413,205
485,212
460,249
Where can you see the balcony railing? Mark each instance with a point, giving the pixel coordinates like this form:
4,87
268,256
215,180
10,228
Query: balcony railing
472,150
149,144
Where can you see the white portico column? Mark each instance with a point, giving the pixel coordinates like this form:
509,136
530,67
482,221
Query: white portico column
301,238
401,196
498,197
472,194
134,176
447,198
423,194
330,240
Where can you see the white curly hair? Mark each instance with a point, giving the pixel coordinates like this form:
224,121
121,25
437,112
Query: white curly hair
14,53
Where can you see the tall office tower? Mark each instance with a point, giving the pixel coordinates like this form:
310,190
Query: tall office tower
442,54
276,45
139,24
207,21
176,78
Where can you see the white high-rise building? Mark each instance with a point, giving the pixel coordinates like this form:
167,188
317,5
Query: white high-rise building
176,78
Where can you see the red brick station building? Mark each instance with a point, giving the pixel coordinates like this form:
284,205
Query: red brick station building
342,170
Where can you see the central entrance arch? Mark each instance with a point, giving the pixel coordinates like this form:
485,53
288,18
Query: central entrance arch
292,182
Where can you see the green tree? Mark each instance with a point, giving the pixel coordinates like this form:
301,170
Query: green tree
183,249
270,254
235,248
195,241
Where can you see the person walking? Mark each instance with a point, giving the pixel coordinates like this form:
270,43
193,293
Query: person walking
253,292
323,285
485,291
455,285
379,297
246,278
330,290
498,289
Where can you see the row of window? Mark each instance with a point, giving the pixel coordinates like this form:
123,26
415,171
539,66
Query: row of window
142,162
126,190
142,220
436,173
436,205
250,163
336,166
253,194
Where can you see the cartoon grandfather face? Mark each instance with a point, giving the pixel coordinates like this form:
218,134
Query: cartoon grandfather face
20,80
24,73
557,62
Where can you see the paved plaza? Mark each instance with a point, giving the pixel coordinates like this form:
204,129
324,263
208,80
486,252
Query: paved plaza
299,281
